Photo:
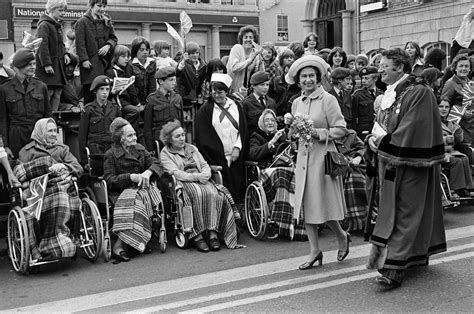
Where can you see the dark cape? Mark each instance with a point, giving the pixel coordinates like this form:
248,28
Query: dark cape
210,146
410,218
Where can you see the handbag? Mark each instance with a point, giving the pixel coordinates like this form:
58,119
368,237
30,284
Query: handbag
335,163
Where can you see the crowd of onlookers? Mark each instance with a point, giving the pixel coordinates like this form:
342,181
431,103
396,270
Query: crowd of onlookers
130,96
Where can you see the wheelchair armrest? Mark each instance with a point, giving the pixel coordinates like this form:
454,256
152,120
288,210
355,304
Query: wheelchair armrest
215,168
250,163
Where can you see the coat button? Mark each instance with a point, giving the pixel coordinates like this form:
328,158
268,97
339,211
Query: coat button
304,168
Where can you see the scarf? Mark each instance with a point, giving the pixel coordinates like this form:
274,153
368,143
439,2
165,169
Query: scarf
39,132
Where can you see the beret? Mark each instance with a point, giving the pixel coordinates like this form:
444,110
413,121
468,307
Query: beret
340,73
99,81
303,62
22,57
259,77
165,72
367,70
74,59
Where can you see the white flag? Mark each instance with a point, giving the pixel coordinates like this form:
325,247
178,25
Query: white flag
175,35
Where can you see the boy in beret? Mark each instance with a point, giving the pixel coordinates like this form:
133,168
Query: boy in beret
24,100
96,119
363,102
162,106
340,78
254,104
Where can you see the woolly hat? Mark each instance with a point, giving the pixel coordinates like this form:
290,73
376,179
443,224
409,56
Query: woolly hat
435,57
22,57
362,57
259,77
350,58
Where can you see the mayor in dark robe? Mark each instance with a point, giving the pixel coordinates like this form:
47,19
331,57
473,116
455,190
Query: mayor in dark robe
409,143
221,135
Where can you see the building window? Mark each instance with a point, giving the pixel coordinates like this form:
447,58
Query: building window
441,45
282,27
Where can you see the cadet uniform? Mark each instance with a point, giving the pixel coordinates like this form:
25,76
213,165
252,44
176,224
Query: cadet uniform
21,105
95,122
161,109
363,105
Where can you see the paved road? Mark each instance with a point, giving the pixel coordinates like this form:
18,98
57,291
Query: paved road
261,277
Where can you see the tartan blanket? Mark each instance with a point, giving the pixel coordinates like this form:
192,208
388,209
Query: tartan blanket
132,212
212,208
279,186
51,225
357,204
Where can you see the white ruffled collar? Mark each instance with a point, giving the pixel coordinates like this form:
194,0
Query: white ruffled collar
389,96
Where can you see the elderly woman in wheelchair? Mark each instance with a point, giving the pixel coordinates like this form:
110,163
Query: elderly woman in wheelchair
51,218
456,166
270,149
211,204
128,167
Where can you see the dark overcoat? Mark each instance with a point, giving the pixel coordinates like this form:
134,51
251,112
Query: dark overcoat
119,164
51,52
91,35
253,110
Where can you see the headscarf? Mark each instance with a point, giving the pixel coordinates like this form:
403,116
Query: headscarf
261,123
39,132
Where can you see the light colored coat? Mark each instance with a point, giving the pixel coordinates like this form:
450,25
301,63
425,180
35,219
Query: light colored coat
173,163
238,64
321,196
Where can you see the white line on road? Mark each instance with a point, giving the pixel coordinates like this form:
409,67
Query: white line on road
272,285
327,284
120,296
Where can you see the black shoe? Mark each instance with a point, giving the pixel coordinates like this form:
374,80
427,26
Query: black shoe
122,256
308,265
214,244
341,255
201,245
387,282
463,193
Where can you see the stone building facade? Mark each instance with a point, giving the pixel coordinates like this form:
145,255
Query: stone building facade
364,26
215,22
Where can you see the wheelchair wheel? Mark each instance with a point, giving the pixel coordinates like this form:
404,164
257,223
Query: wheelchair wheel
181,239
256,210
92,231
163,240
18,244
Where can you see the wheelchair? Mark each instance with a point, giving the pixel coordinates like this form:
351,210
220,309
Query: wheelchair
95,190
257,212
172,193
89,236
451,199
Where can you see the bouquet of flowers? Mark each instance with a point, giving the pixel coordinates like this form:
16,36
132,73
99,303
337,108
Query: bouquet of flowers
301,128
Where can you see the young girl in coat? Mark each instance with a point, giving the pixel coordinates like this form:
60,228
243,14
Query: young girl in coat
51,58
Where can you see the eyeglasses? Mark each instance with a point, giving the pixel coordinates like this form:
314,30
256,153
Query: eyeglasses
269,120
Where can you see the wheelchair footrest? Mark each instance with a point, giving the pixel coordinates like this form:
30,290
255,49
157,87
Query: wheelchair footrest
40,262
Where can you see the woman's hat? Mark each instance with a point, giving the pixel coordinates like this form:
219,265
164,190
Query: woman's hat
99,81
223,78
22,57
303,62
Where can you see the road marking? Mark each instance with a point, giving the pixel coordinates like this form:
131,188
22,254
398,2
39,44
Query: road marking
272,285
327,284
132,294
